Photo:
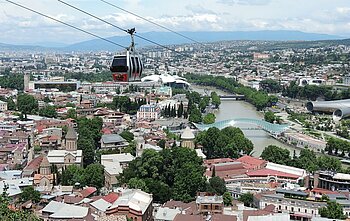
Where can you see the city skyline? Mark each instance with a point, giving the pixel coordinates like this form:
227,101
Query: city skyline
22,27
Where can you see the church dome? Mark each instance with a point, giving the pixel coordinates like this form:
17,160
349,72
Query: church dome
187,134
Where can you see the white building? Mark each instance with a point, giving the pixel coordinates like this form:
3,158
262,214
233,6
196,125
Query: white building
148,112
114,165
3,106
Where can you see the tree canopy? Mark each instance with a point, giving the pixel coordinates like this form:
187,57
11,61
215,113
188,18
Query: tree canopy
7,214
209,118
229,142
333,210
27,104
276,155
49,111
169,174
92,175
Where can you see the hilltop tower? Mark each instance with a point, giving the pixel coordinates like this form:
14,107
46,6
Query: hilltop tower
26,79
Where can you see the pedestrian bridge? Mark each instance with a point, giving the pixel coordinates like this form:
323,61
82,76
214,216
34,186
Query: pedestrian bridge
254,124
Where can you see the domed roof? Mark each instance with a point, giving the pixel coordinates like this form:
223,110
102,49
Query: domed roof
187,134
71,134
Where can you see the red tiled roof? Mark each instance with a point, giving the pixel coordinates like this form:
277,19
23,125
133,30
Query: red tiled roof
250,162
111,197
218,160
269,172
323,191
87,191
228,166
34,164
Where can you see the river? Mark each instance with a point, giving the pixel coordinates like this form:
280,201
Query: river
231,109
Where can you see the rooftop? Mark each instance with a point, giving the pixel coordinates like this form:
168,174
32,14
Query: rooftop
112,138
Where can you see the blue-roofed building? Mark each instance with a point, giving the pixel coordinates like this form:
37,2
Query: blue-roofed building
148,112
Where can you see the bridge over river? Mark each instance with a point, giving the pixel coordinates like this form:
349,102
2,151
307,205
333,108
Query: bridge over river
253,124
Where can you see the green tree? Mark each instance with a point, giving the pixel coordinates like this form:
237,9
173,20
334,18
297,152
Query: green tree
136,183
180,110
161,143
269,116
7,214
195,116
227,199
127,135
276,155
175,173
73,174
229,142
270,86
215,99
307,160
49,111
209,118
72,113
94,175
329,163
87,145
333,210
27,104
247,199
217,185
29,193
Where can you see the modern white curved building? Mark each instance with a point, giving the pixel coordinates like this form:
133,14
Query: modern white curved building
167,79
339,108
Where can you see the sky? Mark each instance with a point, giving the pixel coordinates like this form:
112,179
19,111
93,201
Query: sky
18,26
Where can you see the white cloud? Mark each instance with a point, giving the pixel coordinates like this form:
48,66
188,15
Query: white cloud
245,2
18,25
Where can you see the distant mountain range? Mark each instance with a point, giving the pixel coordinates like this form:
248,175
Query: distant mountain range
168,38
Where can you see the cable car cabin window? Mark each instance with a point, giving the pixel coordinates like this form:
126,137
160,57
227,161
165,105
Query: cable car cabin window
119,64
137,65
133,64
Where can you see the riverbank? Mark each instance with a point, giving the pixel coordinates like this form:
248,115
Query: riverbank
230,109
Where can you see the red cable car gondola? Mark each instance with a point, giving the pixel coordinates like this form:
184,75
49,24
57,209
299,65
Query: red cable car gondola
127,67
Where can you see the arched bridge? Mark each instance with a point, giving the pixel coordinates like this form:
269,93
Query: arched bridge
274,129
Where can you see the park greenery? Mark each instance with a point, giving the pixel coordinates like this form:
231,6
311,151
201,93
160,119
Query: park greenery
175,173
259,99
92,175
209,118
12,81
307,159
336,146
228,142
271,117
312,92
270,86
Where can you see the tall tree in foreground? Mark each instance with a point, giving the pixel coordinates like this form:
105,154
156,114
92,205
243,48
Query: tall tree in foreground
27,104
333,210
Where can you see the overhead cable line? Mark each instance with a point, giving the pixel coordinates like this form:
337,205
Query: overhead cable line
122,29
152,22
64,23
